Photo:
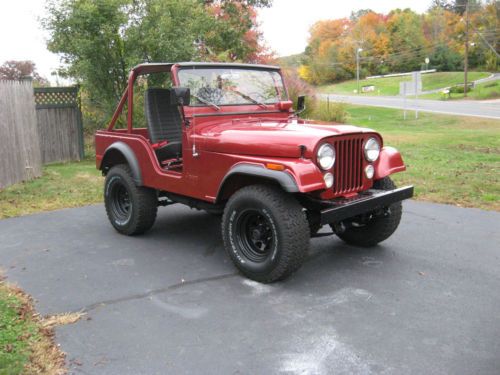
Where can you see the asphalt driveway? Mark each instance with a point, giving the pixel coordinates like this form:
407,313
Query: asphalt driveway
426,301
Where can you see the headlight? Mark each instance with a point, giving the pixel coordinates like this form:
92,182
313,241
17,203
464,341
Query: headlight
372,149
326,156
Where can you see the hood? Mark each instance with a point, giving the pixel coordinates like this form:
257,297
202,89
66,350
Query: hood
268,137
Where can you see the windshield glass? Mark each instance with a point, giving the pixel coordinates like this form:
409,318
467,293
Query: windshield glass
230,86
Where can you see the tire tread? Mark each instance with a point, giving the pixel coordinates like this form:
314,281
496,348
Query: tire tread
145,201
292,219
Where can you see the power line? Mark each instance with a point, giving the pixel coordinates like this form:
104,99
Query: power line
487,43
405,53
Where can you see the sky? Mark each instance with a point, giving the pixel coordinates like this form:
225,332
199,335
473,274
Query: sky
285,26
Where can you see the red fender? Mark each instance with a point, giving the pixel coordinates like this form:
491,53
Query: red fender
389,162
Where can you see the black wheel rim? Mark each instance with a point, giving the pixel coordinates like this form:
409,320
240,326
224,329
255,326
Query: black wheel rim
255,235
120,202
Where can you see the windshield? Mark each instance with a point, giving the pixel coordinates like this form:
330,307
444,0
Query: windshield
232,86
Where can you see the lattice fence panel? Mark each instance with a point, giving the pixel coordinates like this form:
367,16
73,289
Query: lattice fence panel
59,123
56,97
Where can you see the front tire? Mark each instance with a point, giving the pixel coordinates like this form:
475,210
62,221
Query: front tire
265,233
378,228
131,209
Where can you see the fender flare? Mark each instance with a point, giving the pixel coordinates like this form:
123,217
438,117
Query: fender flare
283,178
129,156
389,162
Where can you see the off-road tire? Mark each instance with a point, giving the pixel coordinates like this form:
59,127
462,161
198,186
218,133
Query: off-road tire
286,225
142,202
379,228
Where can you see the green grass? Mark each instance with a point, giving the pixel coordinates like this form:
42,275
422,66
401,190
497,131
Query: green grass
26,340
16,331
449,159
390,85
482,91
62,185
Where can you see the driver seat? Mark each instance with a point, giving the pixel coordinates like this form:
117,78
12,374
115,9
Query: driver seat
164,123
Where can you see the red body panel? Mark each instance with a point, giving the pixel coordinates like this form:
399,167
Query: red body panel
389,162
215,141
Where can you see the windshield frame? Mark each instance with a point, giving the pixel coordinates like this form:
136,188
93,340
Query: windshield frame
264,68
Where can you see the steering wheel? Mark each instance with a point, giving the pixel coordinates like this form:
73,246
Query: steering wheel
211,94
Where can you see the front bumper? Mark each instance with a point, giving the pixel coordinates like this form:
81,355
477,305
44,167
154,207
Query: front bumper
367,201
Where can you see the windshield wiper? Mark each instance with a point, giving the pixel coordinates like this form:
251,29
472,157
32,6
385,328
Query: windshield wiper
247,97
204,101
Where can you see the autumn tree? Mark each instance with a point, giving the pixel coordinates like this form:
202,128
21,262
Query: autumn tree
16,70
325,55
407,43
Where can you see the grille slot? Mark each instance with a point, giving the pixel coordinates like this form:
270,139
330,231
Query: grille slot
348,170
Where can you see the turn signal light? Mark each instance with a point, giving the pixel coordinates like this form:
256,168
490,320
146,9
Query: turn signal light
275,167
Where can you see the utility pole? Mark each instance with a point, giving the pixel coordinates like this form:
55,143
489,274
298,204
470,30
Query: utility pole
466,57
358,50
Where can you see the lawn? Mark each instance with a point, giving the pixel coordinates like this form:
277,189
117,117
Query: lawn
26,340
486,90
62,185
450,159
14,351
390,85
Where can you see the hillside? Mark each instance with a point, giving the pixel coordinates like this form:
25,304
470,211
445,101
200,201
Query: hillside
390,85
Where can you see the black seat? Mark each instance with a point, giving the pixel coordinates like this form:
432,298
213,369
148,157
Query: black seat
164,122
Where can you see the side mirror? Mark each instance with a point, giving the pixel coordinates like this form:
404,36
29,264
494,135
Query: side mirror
180,96
301,104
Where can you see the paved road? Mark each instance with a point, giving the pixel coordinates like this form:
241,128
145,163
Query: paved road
425,302
475,108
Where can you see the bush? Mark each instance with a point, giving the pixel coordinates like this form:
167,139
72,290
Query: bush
331,112
445,59
459,89
296,86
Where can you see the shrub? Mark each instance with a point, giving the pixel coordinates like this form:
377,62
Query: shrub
331,111
445,59
296,86
459,89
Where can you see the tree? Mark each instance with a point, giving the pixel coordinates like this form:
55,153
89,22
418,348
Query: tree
445,59
457,6
401,40
325,55
356,15
16,70
100,40
372,35
406,40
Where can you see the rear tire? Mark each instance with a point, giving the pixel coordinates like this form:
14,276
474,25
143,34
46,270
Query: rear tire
131,209
265,233
378,228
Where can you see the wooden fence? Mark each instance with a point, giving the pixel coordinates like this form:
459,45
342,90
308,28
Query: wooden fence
20,157
59,124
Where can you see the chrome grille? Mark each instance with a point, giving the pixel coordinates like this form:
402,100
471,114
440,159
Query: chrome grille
348,169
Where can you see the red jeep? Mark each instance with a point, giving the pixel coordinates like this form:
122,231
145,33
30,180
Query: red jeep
224,138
